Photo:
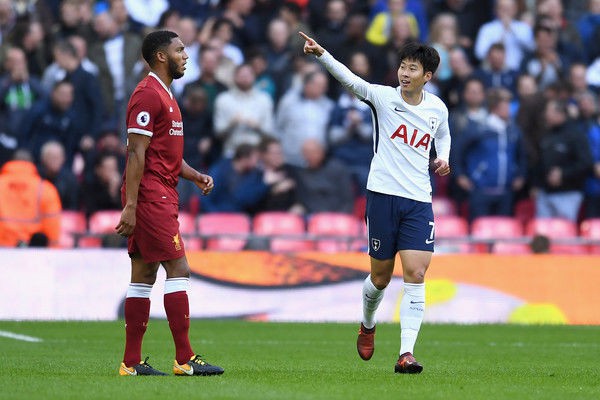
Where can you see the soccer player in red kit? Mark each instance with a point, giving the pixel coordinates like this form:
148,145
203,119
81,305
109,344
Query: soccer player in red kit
150,207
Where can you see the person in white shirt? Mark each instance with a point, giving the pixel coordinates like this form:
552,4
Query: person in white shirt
399,214
516,36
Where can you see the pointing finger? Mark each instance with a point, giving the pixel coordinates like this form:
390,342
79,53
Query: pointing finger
304,36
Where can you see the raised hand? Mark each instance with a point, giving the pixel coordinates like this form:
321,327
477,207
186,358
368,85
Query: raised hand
311,46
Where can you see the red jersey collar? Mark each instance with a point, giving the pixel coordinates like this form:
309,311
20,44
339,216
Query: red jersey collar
152,74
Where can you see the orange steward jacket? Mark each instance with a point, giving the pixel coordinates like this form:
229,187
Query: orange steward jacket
28,204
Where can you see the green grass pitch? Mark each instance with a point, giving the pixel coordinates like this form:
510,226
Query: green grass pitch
79,360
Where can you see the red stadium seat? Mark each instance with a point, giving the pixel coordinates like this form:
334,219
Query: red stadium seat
510,248
494,227
343,229
443,206
187,229
451,234
101,222
590,229
556,228
224,231
274,224
72,222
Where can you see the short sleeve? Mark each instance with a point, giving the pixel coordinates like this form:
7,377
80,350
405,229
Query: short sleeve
144,107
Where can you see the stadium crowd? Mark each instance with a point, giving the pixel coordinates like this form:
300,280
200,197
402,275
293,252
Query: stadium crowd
520,78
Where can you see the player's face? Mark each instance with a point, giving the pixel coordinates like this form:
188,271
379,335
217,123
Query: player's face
177,58
411,76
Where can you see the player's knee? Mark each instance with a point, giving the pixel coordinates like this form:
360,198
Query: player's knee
380,281
416,276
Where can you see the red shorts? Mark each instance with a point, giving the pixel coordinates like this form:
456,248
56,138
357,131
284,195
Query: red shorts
156,234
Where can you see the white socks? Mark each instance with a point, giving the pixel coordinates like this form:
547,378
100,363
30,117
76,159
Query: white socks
173,285
141,290
412,309
371,299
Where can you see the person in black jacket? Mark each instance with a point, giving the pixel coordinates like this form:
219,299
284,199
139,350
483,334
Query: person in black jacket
565,161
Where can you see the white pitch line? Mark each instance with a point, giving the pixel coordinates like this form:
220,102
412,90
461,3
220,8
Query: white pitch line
16,336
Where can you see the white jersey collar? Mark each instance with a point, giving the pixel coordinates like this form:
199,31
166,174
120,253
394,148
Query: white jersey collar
152,74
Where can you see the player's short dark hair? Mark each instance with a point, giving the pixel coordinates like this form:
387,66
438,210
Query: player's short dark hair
155,42
426,55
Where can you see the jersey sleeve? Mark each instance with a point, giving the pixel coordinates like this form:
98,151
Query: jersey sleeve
143,108
357,85
442,137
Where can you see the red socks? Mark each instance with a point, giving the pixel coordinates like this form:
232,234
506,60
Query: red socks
178,313
137,312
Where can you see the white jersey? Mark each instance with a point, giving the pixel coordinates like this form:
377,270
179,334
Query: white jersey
402,134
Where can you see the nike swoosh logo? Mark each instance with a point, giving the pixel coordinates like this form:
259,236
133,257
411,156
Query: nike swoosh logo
131,372
370,298
427,241
399,109
416,302
187,371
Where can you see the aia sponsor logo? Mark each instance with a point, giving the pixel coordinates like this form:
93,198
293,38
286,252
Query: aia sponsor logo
415,138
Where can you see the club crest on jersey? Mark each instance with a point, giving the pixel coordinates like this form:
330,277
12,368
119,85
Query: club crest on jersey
411,139
375,243
143,118
433,123
177,242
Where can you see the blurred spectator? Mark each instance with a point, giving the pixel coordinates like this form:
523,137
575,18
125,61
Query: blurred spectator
29,203
379,32
470,14
29,36
208,80
264,81
527,87
588,26
331,34
279,178
19,92
241,187
544,62
291,13
569,41
225,70
462,70
576,78
489,159
200,148
494,72
115,53
324,184
278,55
247,27
516,36
472,108
146,13
350,135
243,114
302,115
187,29
103,191
355,41
223,29
444,37
588,106
74,19
415,7
52,168
565,159
55,72
53,119
8,18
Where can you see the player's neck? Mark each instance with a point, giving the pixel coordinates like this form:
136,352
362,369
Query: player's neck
164,77
413,98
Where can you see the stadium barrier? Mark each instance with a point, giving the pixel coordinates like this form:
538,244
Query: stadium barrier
90,284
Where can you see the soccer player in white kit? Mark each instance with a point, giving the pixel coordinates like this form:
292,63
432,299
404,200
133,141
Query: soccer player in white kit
399,215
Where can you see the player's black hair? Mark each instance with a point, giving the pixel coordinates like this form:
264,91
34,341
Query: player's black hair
155,42
426,55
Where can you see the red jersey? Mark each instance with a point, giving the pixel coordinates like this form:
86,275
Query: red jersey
153,111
